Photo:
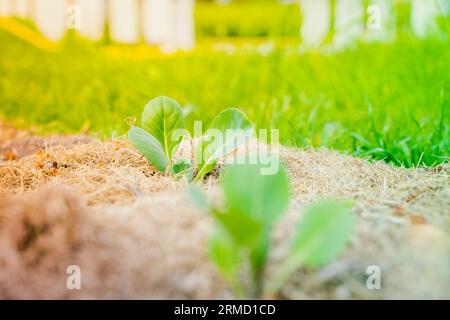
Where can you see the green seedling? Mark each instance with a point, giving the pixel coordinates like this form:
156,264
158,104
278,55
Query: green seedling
163,130
229,129
240,244
161,117
320,237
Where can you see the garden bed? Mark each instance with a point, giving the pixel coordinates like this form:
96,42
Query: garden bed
136,234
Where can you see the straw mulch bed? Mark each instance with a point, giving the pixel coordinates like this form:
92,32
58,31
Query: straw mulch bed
136,234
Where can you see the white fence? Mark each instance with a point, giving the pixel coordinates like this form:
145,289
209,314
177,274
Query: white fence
170,23
167,23
370,20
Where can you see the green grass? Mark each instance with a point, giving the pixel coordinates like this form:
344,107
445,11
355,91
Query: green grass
248,19
387,101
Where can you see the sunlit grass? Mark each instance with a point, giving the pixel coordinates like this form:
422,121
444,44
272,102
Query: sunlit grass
387,101
250,19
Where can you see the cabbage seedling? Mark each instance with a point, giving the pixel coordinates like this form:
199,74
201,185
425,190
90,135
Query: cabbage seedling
240,244
161,117
158,139
229,130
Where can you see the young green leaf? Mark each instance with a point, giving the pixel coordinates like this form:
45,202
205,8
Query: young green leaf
248,192
321,236
234,129
161,117
149,147
227,259
258,258
204,166
323,233
231,118
243,229
254,202
229,130
183,167
198,197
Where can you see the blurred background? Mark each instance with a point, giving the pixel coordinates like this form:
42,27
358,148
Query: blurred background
367,77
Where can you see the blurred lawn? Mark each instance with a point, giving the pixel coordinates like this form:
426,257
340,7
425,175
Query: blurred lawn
247,18
387,101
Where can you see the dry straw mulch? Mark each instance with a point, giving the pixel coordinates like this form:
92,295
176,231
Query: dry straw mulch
135,233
